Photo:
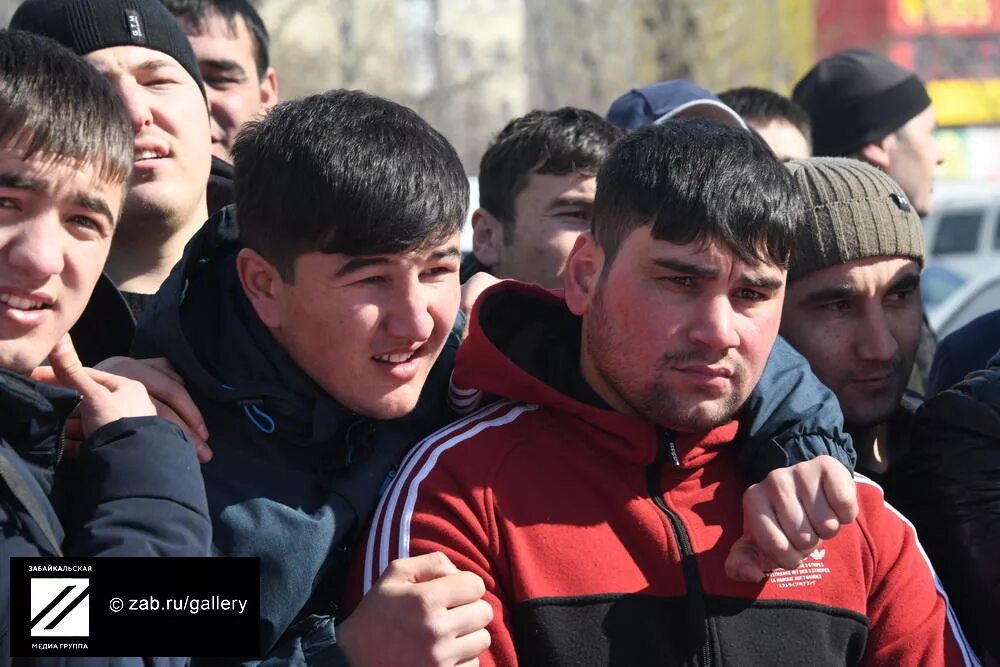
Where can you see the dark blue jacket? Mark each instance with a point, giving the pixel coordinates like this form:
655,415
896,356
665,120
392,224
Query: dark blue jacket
141,492
949,487
964,351
296,476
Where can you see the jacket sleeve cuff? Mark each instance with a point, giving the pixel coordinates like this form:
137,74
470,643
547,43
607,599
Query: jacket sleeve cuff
143,457
760,458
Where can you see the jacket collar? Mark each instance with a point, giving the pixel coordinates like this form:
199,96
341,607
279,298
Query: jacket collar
32,416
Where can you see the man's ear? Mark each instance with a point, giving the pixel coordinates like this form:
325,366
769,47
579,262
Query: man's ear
583,271
879,153
269,89
263,286
487,237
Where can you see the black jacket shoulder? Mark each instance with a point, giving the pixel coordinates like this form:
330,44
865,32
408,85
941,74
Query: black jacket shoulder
964,351
949,487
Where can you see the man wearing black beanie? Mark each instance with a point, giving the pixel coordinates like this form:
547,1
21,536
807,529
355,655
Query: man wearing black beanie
865,106
142,51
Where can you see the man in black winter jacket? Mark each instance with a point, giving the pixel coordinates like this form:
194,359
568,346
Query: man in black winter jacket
951,491
63,172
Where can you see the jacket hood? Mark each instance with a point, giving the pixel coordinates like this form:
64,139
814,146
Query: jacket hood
203,323
524,345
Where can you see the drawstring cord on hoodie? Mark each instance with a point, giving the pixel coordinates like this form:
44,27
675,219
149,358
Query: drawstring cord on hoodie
261,420
255,414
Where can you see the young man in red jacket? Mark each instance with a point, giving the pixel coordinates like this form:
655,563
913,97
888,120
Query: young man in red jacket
599,499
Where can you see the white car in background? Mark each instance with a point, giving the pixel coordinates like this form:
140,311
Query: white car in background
971,298
961,280
963,231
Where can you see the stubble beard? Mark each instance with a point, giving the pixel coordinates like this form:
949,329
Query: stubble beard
655,401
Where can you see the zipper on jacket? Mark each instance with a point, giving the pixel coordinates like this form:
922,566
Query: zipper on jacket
61,437
667,451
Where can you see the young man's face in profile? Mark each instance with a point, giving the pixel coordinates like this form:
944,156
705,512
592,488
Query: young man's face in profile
56,223
678,334
913,155
368,329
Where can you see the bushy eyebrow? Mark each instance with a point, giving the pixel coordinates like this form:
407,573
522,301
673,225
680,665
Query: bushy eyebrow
762,282
223,64
708,273
155,64
96,205
17,181
846,292
364,261
832,293
688,268
905,282
582,202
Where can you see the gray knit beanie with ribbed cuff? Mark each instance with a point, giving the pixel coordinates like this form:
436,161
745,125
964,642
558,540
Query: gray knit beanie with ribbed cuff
855,211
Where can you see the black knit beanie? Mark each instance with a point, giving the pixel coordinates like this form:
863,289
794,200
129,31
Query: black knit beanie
89,25
857,97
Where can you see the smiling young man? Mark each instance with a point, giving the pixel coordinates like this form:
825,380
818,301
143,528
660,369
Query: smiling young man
231,43
310,328
145,56
141,50
599,498
63,174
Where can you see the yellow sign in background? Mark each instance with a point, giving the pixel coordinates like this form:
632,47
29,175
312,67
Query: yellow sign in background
966,101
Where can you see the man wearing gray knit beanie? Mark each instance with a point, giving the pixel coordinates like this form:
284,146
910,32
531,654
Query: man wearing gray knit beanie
852,304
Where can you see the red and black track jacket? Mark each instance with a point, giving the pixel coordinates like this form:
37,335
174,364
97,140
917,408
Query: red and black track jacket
602,538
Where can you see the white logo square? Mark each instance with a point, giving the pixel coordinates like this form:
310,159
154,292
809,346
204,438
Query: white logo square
60,607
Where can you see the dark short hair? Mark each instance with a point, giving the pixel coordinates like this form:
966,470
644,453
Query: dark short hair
53,103
345,172
564,141
198,12
698,181
760,106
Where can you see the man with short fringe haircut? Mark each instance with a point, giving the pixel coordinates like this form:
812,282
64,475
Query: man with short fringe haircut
313,326
598,498
536,187
143,53
65,161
